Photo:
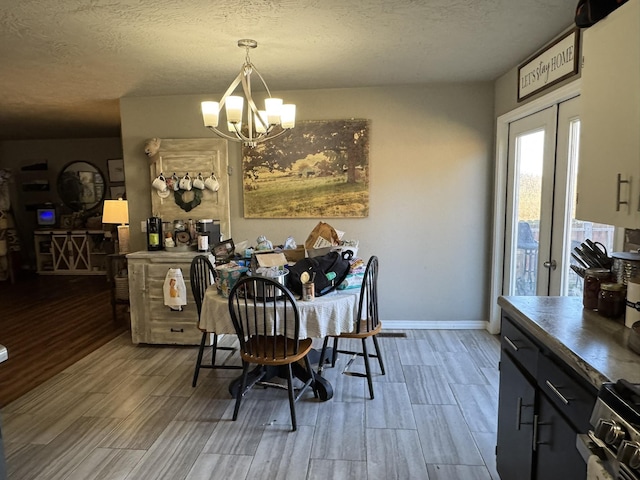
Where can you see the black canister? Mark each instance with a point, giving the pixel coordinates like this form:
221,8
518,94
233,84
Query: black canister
593,277
154,234
611,300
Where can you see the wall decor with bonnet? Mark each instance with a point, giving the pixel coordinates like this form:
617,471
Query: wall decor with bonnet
189,179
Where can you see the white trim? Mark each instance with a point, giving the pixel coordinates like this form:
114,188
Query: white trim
435,325
500,174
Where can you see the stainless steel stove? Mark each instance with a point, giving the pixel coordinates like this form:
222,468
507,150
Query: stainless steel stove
615,437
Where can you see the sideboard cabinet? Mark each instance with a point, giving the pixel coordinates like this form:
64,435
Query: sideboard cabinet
609,169
151,320
70,252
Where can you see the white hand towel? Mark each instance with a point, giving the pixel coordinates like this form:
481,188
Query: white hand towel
174,289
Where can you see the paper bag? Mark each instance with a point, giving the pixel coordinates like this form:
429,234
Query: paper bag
323,235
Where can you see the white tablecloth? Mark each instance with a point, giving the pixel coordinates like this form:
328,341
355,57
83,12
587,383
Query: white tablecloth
331,314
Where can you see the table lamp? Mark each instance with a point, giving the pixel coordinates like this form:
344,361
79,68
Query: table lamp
117,211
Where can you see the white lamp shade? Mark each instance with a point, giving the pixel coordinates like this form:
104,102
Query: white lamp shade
210,113
115,211
274,109
234,106
288,115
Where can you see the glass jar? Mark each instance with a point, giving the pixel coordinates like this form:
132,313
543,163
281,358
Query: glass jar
611,300
593,277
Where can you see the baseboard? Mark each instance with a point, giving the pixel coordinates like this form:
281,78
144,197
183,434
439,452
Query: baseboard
435,325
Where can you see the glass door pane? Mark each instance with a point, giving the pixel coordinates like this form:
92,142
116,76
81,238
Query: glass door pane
529,203
574,232
529,155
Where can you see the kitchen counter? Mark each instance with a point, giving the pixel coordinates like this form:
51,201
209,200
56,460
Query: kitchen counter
592,345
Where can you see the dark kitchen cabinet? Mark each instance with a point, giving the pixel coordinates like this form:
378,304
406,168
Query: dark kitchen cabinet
554,443
542,407
515,421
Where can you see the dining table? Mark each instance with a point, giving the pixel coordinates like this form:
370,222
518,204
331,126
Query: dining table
328,315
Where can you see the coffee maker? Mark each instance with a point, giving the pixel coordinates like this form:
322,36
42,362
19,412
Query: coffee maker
154,234
211,228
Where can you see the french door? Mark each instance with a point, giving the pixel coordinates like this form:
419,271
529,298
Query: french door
540,226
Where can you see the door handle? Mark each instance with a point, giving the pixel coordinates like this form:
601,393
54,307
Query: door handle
551,264
536,424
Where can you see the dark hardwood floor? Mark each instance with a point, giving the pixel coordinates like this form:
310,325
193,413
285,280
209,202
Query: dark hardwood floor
48,323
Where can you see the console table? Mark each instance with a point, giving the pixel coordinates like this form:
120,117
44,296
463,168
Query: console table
70,252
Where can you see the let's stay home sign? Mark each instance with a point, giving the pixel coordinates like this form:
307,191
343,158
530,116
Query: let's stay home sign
553,64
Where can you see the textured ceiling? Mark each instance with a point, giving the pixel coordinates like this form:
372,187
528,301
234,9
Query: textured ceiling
65,63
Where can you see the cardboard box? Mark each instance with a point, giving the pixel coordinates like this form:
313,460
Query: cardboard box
271,259
294,254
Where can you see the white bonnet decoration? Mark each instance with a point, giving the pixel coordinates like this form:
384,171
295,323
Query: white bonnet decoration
152,147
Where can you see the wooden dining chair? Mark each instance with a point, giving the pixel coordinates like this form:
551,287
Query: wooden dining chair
367,325
266,319
202,275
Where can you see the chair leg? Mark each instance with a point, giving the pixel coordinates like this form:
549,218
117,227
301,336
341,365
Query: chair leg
214,348
292,400
323,353
307,363
199,360
335,352
367,368
378,353
245,373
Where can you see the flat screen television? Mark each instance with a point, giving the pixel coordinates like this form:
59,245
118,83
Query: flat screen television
46,217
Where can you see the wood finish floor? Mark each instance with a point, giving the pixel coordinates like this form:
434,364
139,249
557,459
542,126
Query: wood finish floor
48,323
129,412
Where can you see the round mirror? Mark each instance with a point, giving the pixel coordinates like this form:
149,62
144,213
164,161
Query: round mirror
81,186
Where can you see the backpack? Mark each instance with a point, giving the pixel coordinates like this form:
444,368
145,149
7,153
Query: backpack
590,12
331,263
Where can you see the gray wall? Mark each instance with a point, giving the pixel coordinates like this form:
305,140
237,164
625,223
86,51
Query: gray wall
18,153
431,170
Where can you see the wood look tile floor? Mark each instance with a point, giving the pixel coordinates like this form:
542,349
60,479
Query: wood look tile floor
128,412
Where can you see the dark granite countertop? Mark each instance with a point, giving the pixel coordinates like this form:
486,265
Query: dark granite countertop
594,346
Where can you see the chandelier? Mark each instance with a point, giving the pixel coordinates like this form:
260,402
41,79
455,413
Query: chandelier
261,125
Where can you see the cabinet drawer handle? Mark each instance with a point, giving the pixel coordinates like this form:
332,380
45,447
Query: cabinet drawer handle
555,390
511,344
177,330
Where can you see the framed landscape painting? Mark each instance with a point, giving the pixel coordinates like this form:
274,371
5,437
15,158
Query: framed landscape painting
317,169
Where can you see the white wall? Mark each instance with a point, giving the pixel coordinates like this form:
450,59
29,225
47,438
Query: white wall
431,167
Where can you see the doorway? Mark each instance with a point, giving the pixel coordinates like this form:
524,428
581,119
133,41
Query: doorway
535,228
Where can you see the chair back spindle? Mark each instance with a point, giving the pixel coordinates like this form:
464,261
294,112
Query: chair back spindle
263,314
202,275
368,303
